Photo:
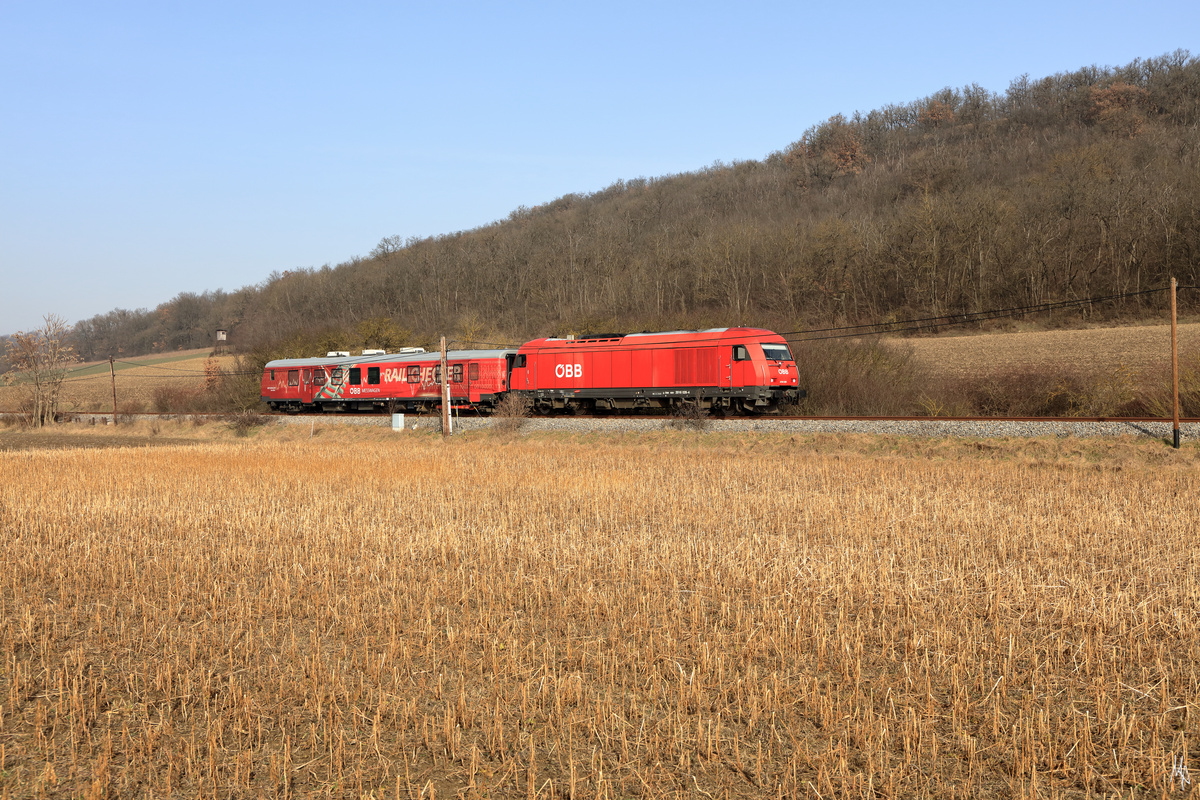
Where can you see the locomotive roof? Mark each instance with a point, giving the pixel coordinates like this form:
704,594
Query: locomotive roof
386,358
684,336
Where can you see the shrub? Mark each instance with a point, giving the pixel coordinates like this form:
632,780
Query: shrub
173,399
689,415
242,422
511,413
1034,392
239,389
1158,396
844,377
128,409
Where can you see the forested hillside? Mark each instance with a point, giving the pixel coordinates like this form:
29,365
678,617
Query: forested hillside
1071,186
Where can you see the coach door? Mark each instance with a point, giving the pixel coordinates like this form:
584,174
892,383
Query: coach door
306,385
472,387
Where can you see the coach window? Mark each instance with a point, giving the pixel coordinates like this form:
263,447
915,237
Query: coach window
319,377
414,374
456,373
335,377
272,374
355,376
372,375
437,374
293,377
473,372
740,353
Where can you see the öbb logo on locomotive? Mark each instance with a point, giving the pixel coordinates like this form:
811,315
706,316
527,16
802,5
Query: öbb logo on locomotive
722,370
568,371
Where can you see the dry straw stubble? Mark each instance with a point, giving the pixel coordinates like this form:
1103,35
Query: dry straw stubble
556,618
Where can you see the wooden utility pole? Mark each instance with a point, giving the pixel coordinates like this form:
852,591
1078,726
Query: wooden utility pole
1174,367
445,394
112,371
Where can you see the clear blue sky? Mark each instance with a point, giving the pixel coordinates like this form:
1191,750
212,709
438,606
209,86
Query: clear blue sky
152,148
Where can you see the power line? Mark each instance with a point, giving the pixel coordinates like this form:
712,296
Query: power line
947,320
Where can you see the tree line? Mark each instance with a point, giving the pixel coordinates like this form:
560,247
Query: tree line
1076,185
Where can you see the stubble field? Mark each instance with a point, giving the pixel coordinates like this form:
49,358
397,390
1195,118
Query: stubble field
89,387
668,616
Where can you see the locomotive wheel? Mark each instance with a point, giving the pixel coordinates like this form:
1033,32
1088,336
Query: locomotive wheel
747,409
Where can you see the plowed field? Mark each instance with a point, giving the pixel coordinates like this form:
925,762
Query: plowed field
1140,349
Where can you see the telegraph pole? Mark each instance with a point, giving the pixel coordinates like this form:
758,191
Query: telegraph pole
445,394
113,374
1174,367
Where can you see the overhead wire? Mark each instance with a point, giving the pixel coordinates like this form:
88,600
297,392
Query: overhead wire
950,320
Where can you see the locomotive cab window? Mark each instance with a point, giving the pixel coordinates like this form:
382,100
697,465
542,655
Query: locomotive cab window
293,377
372,375
414,374
777,352
355,376
336,376
520,361
741,353
456,373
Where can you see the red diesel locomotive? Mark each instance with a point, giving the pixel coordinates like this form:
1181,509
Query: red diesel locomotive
743,370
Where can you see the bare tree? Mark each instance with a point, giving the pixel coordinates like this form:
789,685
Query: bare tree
388,245
39,361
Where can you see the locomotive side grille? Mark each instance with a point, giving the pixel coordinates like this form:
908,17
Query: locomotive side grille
696,366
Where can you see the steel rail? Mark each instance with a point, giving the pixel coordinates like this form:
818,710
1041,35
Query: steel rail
333,415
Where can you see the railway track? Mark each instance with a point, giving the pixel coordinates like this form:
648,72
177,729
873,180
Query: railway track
384,418
996,419
971,427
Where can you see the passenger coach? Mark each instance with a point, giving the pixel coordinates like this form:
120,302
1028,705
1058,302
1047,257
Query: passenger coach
379,381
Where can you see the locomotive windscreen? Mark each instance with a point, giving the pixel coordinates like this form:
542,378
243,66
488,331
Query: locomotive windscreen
777,352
